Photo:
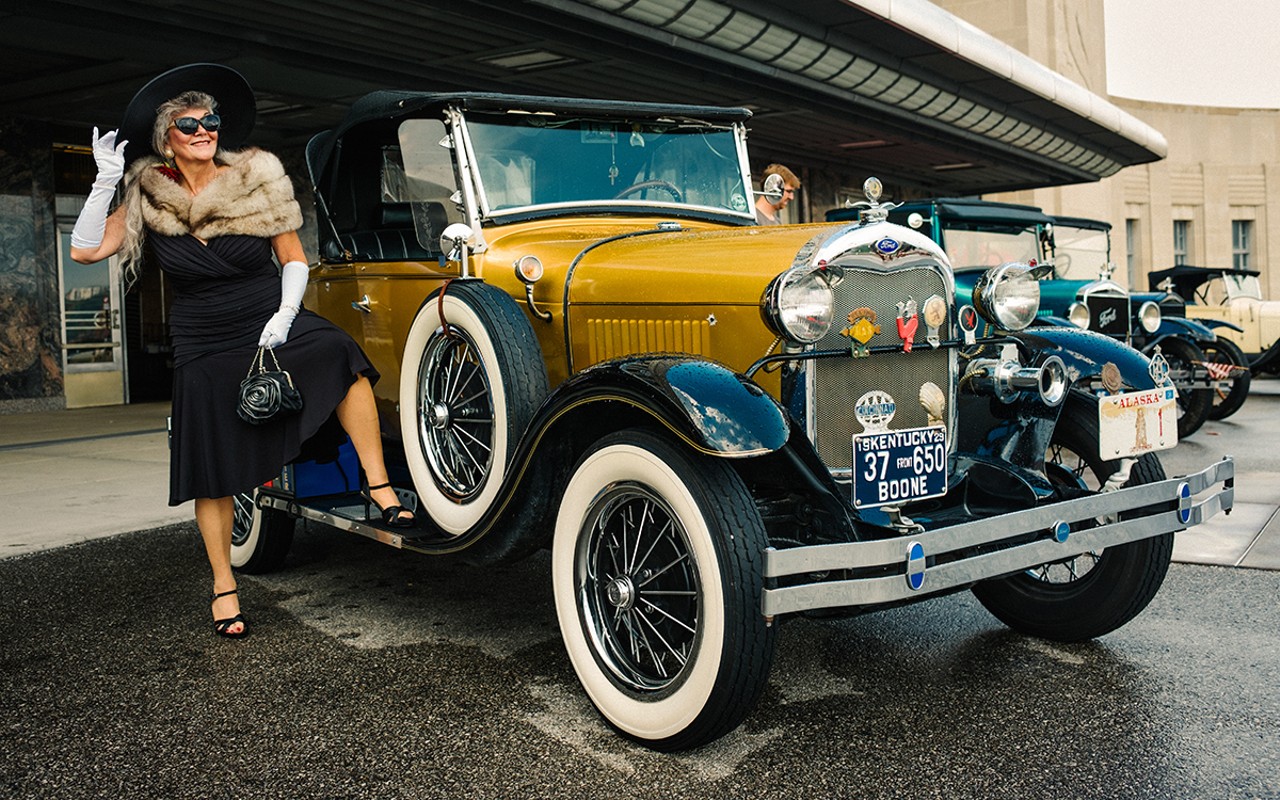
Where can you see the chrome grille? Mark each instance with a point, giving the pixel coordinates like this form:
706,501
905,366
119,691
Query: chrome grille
836,383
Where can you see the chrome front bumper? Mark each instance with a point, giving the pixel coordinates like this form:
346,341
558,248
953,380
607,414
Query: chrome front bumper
909,557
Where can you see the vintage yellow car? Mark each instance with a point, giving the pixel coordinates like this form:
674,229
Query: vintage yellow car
1230,301
588,346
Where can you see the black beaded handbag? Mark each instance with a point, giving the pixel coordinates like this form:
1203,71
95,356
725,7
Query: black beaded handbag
267,394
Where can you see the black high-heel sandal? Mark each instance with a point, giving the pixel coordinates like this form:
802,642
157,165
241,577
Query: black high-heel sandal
392,516
222,627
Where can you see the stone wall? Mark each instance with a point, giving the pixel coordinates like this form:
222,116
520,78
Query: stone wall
30,311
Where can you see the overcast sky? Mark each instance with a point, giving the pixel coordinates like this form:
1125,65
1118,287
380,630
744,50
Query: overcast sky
1199,52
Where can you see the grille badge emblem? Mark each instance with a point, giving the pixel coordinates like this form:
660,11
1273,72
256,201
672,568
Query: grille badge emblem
1159,369
935,313
862,326
969,323
908,322
874,411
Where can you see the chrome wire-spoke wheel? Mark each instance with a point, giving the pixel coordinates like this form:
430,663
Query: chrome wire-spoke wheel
260,537
456,414
472,378
241,518
656,566
640,590
1065,466
1073,569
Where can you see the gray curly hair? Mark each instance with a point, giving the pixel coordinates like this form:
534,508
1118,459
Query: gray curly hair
134,228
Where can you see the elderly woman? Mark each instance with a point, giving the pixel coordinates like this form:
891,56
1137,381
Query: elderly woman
212,217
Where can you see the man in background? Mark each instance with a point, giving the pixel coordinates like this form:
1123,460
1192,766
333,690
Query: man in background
778,187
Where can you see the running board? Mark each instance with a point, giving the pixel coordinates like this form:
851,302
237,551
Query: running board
339,512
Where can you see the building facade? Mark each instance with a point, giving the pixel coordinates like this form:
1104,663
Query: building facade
1206,203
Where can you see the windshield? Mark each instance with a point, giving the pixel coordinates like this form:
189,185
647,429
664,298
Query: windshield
528,161
1242,286
1080,253
988,248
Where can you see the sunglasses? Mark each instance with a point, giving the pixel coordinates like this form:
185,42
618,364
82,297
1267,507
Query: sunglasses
189,125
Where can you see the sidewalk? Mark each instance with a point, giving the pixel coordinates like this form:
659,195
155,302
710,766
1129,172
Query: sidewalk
71,476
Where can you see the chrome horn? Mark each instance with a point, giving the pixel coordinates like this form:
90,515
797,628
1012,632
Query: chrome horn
1004,378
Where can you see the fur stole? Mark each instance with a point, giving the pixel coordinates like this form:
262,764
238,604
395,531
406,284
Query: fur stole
253,197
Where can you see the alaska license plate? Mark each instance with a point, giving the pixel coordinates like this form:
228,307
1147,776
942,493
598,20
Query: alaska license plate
1134,423
896,467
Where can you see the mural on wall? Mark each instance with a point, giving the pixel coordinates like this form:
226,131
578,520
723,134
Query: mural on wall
30,316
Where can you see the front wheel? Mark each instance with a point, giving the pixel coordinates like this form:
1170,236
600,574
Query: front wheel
1193,404
1225,357
260,537
1096,592
657,571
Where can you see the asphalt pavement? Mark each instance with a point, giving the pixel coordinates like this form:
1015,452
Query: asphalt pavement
373,673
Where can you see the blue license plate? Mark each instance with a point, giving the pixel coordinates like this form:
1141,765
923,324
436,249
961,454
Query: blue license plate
897,467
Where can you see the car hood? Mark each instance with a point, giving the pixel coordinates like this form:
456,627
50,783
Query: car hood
620,262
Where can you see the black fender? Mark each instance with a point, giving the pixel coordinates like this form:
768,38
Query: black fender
1085,352
710,407
1018,433
1181,327
1214,324
704,404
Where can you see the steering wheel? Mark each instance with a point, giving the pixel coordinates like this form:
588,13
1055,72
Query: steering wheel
657,183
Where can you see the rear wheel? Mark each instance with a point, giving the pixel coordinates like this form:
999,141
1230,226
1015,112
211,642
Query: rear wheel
260,537
656,566
1226,356
1096,592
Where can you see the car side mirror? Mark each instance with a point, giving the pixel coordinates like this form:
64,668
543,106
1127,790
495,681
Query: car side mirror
454,241
773,187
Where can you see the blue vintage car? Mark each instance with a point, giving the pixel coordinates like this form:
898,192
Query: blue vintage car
1073,258
1081,249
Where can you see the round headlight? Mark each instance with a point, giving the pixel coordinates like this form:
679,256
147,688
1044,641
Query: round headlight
1149,316
1008,296
1078,314
798,306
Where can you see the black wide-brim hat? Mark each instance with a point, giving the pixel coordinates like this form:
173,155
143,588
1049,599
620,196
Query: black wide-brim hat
236,106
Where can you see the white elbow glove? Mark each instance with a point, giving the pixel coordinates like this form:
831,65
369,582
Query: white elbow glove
293,282
93,217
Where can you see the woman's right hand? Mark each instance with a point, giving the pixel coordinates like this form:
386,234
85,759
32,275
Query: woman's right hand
110,158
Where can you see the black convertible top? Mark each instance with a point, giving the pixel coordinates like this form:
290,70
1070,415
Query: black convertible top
964,210
1082,222
1186,278
392,106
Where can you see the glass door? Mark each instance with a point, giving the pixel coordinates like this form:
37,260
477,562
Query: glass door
92,339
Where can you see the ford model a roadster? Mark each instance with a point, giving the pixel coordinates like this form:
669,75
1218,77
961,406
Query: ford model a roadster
587,346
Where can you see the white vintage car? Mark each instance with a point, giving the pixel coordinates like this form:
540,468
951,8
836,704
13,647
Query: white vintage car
1229,301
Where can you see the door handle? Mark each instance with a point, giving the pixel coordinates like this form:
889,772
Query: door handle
362,304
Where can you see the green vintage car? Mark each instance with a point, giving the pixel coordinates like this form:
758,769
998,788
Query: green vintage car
589,348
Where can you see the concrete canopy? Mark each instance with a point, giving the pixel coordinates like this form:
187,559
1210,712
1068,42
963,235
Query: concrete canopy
900,89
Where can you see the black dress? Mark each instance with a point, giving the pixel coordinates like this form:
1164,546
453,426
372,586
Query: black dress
224,293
